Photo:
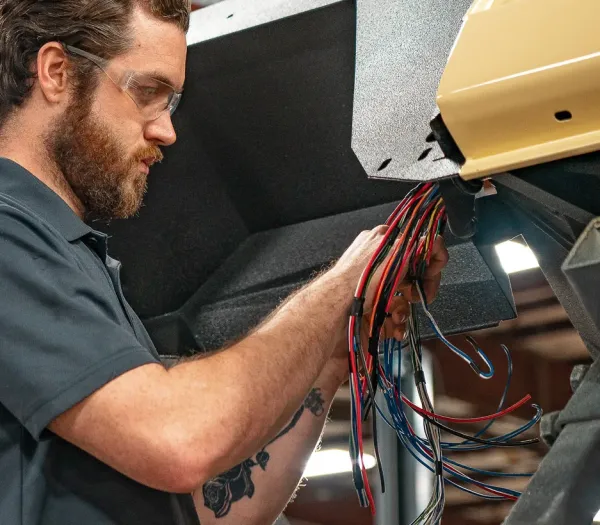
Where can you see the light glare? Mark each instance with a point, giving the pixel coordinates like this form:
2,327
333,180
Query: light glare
333,461
516,257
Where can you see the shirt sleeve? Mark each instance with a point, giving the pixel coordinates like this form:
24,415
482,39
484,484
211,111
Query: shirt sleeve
61,336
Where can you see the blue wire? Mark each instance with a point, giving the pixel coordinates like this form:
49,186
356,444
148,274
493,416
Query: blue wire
504,394
418,446
464,356
419,443
404,435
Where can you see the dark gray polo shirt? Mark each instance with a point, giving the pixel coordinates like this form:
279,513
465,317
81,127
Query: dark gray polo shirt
65,331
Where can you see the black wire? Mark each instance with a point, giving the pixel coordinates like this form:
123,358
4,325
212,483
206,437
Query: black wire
466,436
372,392
492,443
376,446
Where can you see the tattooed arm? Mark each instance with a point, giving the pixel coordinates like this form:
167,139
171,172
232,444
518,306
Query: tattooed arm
257,491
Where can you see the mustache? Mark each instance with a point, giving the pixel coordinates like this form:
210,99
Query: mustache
153,154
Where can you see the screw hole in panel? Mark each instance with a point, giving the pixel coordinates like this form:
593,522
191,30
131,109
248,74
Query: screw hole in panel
384,164
563,116
425,154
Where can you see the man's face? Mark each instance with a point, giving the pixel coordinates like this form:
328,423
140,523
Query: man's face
103,146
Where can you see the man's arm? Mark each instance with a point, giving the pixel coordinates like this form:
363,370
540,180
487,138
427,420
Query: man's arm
174,430
256,491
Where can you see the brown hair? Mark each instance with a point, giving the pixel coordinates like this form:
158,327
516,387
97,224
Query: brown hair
97,26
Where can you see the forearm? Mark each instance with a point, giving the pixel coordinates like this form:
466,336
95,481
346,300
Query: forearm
247,393
256,491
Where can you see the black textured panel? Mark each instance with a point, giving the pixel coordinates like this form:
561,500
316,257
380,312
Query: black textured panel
288,254
402,50
575,180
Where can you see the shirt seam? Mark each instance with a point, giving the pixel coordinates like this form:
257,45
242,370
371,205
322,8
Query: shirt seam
10,201
18,206
31,412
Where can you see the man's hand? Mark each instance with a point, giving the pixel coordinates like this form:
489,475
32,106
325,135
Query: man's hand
353,262
395,325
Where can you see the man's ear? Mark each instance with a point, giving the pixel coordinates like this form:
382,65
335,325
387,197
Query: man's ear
52,72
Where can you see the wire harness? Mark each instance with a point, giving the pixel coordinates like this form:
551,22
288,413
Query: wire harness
408,247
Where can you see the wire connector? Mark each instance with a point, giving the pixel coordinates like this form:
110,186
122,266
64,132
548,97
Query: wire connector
357,307
439,468
420,377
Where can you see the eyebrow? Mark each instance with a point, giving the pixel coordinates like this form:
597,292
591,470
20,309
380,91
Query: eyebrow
159,76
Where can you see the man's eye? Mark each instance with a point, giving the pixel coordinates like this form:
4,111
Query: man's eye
148,91
145,94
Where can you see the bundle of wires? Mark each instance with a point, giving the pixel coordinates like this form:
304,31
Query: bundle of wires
406,249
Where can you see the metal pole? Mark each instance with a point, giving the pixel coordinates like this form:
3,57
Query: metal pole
408,484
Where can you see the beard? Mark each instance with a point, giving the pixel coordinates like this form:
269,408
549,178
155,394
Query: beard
95,167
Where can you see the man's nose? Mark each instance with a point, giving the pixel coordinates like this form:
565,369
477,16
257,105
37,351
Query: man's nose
161,131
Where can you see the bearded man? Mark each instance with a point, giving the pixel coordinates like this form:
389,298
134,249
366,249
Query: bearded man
94,429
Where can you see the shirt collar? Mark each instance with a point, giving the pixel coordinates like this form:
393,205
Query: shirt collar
21,185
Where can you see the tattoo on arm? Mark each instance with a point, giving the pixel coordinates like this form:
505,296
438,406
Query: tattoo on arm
220,493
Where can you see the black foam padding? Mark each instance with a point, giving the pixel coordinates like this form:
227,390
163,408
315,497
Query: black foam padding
270,265
471,296
217,324
469,299
288,254
273,107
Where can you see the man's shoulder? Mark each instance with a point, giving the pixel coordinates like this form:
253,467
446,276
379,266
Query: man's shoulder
22,230
15,213
12,209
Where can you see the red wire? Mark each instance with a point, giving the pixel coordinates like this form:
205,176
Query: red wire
407,255
392,257
408,251
466,420
363,280
392,222
359,414
392,225
415,250
401,207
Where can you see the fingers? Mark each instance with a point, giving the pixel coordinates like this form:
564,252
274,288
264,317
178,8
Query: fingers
432,277
399,317
399,310
381,229
431,287
439,258
433,273
408,291
395,324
